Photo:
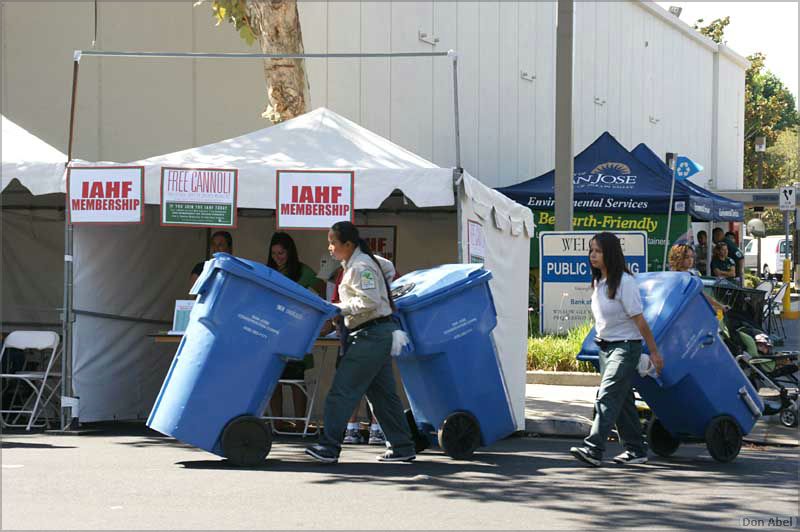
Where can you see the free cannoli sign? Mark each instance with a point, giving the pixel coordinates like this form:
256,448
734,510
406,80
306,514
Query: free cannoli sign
198,197
105,194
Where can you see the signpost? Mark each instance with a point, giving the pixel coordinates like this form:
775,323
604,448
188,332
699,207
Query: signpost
565,275
198,197
105,194
314,199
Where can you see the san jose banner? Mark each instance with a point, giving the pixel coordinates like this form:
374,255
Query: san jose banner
105,194
314,199
199,197
565,275
654,225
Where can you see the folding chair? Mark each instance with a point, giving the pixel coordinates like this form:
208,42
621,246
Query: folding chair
38,387
773,321
308,386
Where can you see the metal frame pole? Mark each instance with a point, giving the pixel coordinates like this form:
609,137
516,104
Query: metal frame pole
458,171
67,315
564,163
669,220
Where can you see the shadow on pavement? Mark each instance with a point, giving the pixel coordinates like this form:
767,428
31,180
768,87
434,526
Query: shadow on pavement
541,474
25,445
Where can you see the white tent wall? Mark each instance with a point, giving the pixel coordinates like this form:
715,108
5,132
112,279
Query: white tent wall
32,268
507,229
135,272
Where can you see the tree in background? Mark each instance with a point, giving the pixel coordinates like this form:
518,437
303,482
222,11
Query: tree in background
770,110
275,24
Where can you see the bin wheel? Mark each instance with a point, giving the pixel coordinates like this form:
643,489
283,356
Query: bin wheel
660,440
788,417
421,440
246,441
723,438
460,435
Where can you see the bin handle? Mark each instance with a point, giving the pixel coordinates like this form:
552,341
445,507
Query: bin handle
709,340
749,402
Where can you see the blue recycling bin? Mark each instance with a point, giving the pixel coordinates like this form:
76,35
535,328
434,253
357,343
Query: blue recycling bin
451,374
701,393
248,320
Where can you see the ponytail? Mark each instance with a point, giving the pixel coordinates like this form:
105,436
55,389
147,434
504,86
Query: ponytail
363,246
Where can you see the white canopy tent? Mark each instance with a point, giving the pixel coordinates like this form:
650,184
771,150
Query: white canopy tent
32,230
126,278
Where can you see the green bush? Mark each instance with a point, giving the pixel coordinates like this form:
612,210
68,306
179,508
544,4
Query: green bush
557,353
751,281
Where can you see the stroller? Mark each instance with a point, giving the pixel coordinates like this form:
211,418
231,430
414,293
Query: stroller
764,368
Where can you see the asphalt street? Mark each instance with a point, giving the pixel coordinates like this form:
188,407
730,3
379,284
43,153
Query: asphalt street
134,479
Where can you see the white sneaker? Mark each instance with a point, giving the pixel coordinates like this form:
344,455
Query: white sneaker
629,458
353,436
376,437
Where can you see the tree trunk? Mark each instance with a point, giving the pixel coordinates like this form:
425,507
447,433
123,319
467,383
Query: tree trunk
276,25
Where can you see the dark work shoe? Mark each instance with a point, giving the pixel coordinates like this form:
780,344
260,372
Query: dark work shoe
587,455
630,458
323,454
394,456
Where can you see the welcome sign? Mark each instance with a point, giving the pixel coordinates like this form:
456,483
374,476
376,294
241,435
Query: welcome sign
314,199
105,194
566,276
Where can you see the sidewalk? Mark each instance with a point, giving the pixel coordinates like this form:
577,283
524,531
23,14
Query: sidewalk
565,411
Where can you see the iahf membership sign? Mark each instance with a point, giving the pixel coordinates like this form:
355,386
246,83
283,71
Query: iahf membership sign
198,197
106,194
314,199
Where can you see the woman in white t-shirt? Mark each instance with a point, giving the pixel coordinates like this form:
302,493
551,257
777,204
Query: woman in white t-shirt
620,328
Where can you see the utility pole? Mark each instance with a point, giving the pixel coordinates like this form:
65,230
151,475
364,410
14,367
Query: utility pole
564,162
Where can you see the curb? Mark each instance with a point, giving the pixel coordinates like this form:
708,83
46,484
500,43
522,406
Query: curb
563,378
564,426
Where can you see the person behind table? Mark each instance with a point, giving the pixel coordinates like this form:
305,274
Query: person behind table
283,257
221,242
722,265
620,327
701,253
681,259
365,366
734,253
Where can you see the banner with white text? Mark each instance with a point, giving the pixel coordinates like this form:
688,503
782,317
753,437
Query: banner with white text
314,199
105,194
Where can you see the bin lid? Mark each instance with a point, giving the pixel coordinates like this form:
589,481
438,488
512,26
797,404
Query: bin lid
664,295
263,275
423,285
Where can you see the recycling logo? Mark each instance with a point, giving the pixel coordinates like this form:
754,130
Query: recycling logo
683,169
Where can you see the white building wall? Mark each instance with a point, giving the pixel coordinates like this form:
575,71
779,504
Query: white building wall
639,74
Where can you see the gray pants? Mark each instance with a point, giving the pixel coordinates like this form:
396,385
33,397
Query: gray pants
615,402
366,368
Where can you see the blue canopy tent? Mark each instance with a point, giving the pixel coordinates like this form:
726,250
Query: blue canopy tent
723,209
608,178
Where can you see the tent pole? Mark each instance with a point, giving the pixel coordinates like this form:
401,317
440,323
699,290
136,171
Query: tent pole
669,222
459,171
66,349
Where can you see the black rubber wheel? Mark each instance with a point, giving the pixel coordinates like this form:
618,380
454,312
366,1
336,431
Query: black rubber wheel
788,417
421,440
723,438
460,435
246,441
660,440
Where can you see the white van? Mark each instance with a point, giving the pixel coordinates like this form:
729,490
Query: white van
774,250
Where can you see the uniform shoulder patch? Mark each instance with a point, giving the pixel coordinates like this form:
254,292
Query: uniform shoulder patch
367,280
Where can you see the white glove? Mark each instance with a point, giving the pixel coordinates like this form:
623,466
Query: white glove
646,367
399,341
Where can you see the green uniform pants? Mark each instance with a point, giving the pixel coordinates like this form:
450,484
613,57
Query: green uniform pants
366,368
